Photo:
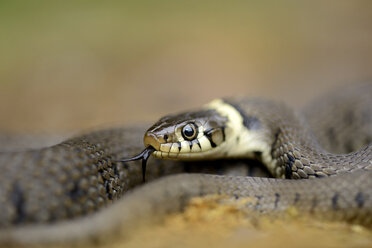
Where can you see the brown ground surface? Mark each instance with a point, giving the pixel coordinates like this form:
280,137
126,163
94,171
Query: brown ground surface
76,65
205,223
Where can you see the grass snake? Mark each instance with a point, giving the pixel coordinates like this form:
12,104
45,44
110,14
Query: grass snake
59,194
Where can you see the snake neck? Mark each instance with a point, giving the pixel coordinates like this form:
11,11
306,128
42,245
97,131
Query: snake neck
280,138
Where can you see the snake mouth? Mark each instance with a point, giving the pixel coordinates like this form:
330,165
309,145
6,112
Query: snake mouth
152,140
144,155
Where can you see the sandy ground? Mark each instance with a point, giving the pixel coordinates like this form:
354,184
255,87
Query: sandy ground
73,66
206,223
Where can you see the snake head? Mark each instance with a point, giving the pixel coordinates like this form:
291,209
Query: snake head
213,132
189,135
186,136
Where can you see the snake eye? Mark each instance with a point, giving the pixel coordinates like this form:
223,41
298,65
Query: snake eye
189,131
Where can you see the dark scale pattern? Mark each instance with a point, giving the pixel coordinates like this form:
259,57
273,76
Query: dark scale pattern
74,178
293,145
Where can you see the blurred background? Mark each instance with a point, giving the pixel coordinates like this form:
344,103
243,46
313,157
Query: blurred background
67,66
73,65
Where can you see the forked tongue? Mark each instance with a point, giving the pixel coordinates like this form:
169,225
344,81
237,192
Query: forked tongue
144,155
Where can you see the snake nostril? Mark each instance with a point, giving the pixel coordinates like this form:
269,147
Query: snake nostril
165,137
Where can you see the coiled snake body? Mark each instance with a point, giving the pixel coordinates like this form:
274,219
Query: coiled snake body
44,192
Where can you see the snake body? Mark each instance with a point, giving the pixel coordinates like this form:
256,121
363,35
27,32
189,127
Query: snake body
58,193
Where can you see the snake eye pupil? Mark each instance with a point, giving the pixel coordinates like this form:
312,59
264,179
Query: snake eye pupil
189,131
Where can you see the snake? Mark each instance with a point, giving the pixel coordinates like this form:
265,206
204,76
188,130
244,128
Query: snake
80,190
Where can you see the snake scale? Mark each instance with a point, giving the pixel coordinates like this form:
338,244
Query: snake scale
59,194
